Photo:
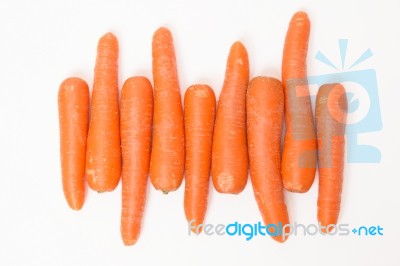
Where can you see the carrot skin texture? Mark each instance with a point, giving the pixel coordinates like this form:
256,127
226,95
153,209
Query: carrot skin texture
103,158
199,115
300,146
73,106
229,151
331,116
136,129
168,148
265,109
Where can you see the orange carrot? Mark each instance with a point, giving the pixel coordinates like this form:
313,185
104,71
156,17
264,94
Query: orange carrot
168,148
331,115
265,106
299,153
136,127
73,107
229,151
103,158
199,124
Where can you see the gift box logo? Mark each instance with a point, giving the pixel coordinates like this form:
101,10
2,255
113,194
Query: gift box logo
364,114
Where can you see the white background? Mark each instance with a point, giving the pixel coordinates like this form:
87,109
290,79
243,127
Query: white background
43,42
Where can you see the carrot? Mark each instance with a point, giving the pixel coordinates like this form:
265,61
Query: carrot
229,151
299,153
103,158
265,106
136,127
331,115
168,150
199,124
73,107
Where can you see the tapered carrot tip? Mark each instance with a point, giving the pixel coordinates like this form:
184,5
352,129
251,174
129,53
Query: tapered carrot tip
75,204
279,239
163,35
238,45
130,241
237,49
73,83
109,41
194,225
129,236
108,37
162,31
296,185
328,222
300,15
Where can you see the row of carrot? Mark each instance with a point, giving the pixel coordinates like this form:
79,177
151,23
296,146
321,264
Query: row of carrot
143,134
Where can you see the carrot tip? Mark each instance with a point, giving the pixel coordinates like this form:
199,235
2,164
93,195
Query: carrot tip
279,239
327,227
296,189
197,230
238,45
129,242
301,14
162,31
75,206
196,225
109,35
77,82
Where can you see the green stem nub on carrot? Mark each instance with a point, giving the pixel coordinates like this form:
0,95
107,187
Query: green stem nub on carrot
299,156
331,116
103,157
265,107
168,147
199,114
73,107
229,151
136,129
